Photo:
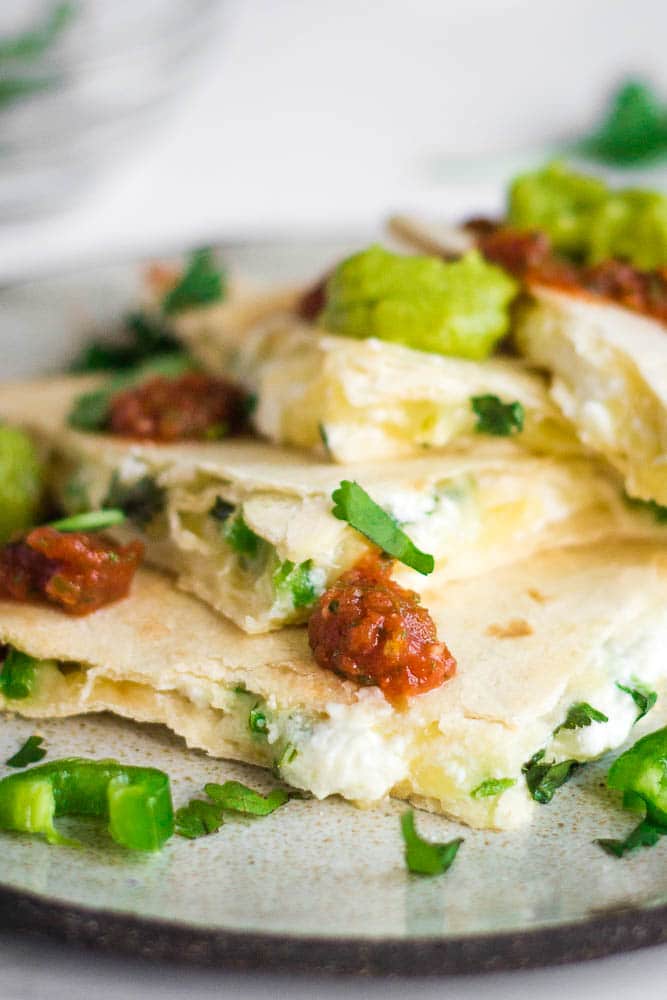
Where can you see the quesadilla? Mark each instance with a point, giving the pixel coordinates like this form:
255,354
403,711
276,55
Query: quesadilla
355,399
584,627
250,529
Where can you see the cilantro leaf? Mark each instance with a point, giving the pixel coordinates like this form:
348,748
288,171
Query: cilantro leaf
634,130
34,42
140,501
202,282
31,751
642,696
495,417
92,520
353,504
544,778
423,857
141,338
296,581
581,715
18,675
236,797
646,834
198,819
492,786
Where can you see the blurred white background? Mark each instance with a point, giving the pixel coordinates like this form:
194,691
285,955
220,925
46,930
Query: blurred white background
315,116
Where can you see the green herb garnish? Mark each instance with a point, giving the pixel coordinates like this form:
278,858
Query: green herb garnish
296,581
34,42
18,675
241,538
634,130
140,501
353,504
93,520
657,510
497,418
642,696
422,856
202,282
257,721
544,778
141,339
492,786
645,834
198,819
31,752
236,797
581,715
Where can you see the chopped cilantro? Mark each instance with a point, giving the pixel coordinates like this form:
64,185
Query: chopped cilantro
642,696
658,511
221,509
581,715
140,501
18,675
93,520
201,282
236,797
296,581
422,856
353,504
544,778
90,410
495,417
198,819
31,751
646,834
634,129
492,786
35,41
141,338
257,721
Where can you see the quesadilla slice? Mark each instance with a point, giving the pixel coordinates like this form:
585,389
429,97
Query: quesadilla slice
553,655
347,381
251,529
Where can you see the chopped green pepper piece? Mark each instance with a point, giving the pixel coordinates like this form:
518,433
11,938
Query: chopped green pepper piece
92,520
459,308
257,721
31,751
641,774
18,675
202,282
136,801
296,581
422,856
496,417
20,482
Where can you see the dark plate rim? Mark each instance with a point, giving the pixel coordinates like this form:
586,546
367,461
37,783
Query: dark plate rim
124,933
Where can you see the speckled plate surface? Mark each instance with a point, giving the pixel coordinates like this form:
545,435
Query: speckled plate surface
317,885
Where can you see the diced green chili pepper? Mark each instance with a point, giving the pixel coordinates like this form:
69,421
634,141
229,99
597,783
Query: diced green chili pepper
136,801
18,675
641,774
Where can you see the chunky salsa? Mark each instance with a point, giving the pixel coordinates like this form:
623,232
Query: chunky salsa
368,629
193,406
529,256
79,572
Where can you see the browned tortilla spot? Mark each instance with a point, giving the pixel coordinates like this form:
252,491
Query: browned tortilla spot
514,629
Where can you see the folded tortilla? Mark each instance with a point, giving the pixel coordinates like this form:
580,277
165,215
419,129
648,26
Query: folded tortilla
472,511
609,368
358,399
531,641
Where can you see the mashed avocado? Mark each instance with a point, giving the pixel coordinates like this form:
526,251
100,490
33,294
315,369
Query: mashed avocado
459,308
20,482
587,220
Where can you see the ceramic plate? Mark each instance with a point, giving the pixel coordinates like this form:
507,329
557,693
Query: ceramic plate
317,885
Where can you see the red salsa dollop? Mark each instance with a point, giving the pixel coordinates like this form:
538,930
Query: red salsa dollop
530,257
368,629
193,406
76,571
